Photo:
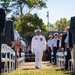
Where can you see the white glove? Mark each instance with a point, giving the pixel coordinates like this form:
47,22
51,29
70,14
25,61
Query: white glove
65,53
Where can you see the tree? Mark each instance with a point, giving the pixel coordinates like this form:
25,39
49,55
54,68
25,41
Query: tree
52,27
23,7
28,24
6,5
62,24
26,6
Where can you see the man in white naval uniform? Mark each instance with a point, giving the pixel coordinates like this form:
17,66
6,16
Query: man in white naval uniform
38,46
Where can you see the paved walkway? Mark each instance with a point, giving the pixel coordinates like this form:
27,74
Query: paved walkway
31,65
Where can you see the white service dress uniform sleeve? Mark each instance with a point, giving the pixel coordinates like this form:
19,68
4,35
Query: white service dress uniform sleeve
44,43
16,35
32,45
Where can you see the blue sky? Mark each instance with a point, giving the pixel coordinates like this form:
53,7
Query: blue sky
57,9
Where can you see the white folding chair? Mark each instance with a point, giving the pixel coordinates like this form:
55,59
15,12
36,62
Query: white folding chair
5,60
60,59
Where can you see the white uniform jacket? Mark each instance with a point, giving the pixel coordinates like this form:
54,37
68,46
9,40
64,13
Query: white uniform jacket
38,43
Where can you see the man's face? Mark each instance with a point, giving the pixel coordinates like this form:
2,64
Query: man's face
67,30
56,36
38,33
60,36
50,38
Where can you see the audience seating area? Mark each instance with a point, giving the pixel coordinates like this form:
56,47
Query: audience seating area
8,58
61,60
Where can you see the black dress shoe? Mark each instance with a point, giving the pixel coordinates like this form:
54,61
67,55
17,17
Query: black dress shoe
36,67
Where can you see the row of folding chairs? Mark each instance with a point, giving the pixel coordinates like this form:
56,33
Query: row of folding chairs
8,58
61,60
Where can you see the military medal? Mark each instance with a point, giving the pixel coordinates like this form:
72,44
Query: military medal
36,38
41,39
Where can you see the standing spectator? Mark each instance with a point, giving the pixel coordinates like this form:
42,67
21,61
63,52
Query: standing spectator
66,46
17,40
55,46
50,46
38,45
72,29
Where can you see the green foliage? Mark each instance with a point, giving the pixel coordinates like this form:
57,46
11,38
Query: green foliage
62,24
28,5
6,5
29,23
52,28
24,22
23,7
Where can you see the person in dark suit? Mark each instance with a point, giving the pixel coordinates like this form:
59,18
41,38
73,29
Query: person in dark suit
72,29
70,40
2,24
63,43
66,46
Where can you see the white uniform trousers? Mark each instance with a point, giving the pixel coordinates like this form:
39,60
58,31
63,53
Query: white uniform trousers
38,58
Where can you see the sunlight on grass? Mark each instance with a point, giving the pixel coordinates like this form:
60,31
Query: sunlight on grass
47,69
39,72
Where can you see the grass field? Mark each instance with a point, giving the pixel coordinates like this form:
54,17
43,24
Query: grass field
40,72
47,69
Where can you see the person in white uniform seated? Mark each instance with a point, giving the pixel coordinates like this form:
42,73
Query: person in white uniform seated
23,46
38,46
17,40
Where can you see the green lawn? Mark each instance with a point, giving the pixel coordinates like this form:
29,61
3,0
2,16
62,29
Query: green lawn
46,70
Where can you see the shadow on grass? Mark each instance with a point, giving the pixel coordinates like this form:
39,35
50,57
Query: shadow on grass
65,72
29,69
70,73
50,64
